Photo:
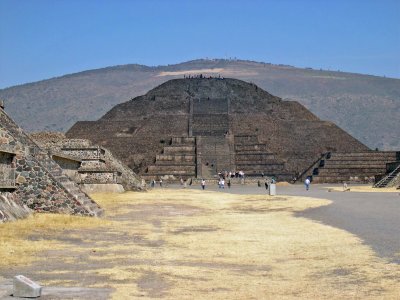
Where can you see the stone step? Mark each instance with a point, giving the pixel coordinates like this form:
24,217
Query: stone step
354,166
388,155
176,174
261,169
250,148
179,150
216,132
246,139
171,168
357,161
168,163
257,162
183,140
336,179
351,170
175,158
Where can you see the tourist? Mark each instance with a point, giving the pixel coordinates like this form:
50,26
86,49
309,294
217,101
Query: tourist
153,183
221,183
203,184
266,184
259,183
160,182
229,183
307,183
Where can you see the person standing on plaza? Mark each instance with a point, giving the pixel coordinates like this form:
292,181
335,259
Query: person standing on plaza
307,183
222,183
203,184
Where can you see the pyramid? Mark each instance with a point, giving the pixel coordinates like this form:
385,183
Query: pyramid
198,127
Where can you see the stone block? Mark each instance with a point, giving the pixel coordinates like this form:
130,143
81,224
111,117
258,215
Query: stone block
272,189
25,288
21,179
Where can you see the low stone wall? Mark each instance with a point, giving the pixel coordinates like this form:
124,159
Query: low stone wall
93,164
102,188
98,177
87,153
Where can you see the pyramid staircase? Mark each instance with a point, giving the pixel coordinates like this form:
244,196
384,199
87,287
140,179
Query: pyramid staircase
313,168
177,159
390,180
43,159
254,159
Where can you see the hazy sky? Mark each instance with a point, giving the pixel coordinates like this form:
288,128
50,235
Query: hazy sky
44,39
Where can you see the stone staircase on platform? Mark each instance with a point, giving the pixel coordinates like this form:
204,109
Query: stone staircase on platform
178,159
352,166
315,165
254,159
214,155
210,124
44,160
392,179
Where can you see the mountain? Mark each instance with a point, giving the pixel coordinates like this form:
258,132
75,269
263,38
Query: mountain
368,107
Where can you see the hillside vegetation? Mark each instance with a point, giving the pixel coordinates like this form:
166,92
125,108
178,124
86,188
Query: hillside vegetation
368,107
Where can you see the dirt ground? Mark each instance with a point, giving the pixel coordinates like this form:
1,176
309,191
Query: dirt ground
189,244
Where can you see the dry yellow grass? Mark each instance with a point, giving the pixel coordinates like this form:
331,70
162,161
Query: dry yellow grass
183,244
364,189
16,246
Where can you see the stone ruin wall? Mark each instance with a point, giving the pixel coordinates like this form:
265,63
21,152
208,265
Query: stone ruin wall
69,167
99,178
88,153
110,171
35,187
41,191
